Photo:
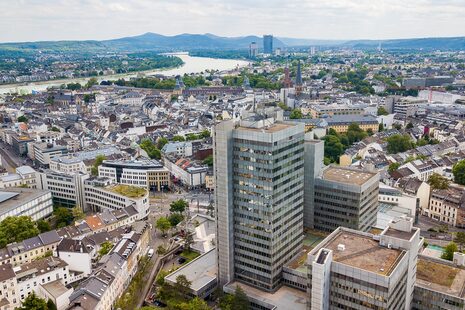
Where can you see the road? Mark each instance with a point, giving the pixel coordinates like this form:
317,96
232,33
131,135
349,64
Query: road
9,160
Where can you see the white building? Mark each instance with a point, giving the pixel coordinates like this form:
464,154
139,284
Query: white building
181,149
25,176
25,201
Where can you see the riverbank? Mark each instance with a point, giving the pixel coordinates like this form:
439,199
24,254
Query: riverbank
191,65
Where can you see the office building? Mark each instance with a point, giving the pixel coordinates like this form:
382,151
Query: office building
313,165
268,44
259,173
346,197
351,269
67,188
25,201
253,50
44,152
149,174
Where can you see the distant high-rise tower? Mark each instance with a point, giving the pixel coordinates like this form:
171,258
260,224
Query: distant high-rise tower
298,79
259,174
268,44
253,50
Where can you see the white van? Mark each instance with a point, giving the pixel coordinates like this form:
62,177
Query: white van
150,253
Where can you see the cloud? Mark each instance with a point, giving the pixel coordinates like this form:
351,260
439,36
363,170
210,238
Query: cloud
24,20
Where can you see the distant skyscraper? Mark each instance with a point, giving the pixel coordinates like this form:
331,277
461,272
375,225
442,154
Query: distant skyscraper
259,173
312,51
268,44
253,50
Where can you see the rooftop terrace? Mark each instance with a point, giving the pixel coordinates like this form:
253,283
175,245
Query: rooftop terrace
441,277
128,190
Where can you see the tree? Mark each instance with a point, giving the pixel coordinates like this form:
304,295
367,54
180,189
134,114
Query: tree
205,134
370,132
43,226
449,250
161,142
236,301
51,305
333,148
393,167
240,301
55,129
105,248
91,82
382,111
459,172
460,239
17,229
163,225
22,119
437,181
63,217
33,302
380,127
98,161
409,126
208,160
178,139
188,240
399,143
148,146
296,114
397,126
194,304
175,219
161,250
355,134
77,212
161,277
182,285
179,206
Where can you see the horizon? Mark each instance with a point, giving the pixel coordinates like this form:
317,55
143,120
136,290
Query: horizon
341,20
234,36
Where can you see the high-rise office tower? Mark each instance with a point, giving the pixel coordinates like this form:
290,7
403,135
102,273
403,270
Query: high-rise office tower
313,165
268,44
259,173
346,197
253,50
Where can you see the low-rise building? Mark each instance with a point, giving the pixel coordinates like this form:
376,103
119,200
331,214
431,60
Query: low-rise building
101,193
25,201
44,152
447,206
186,172
149,174
25,176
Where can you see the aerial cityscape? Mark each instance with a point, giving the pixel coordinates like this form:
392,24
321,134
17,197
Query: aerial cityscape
229,155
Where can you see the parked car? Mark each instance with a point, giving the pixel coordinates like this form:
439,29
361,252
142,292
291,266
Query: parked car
150,253
181,260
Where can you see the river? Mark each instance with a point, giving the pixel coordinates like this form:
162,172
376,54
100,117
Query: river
191,65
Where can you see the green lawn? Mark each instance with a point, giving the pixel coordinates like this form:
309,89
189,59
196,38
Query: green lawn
189,255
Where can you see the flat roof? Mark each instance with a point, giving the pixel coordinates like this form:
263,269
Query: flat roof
55,288
432,274
268,129
284,298
201,271
11,198
347,175
363,252
406,235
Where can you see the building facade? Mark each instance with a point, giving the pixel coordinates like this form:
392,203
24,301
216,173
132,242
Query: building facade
346,197
259,174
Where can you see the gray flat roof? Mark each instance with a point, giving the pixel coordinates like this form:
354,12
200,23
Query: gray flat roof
201,271
11,198
284,298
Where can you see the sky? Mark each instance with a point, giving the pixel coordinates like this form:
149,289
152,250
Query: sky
41,20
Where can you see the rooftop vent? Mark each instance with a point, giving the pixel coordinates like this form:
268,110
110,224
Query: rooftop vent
341,247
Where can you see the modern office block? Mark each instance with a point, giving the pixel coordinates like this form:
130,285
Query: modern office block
351,269
259,173
268,44
313,165
346,197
